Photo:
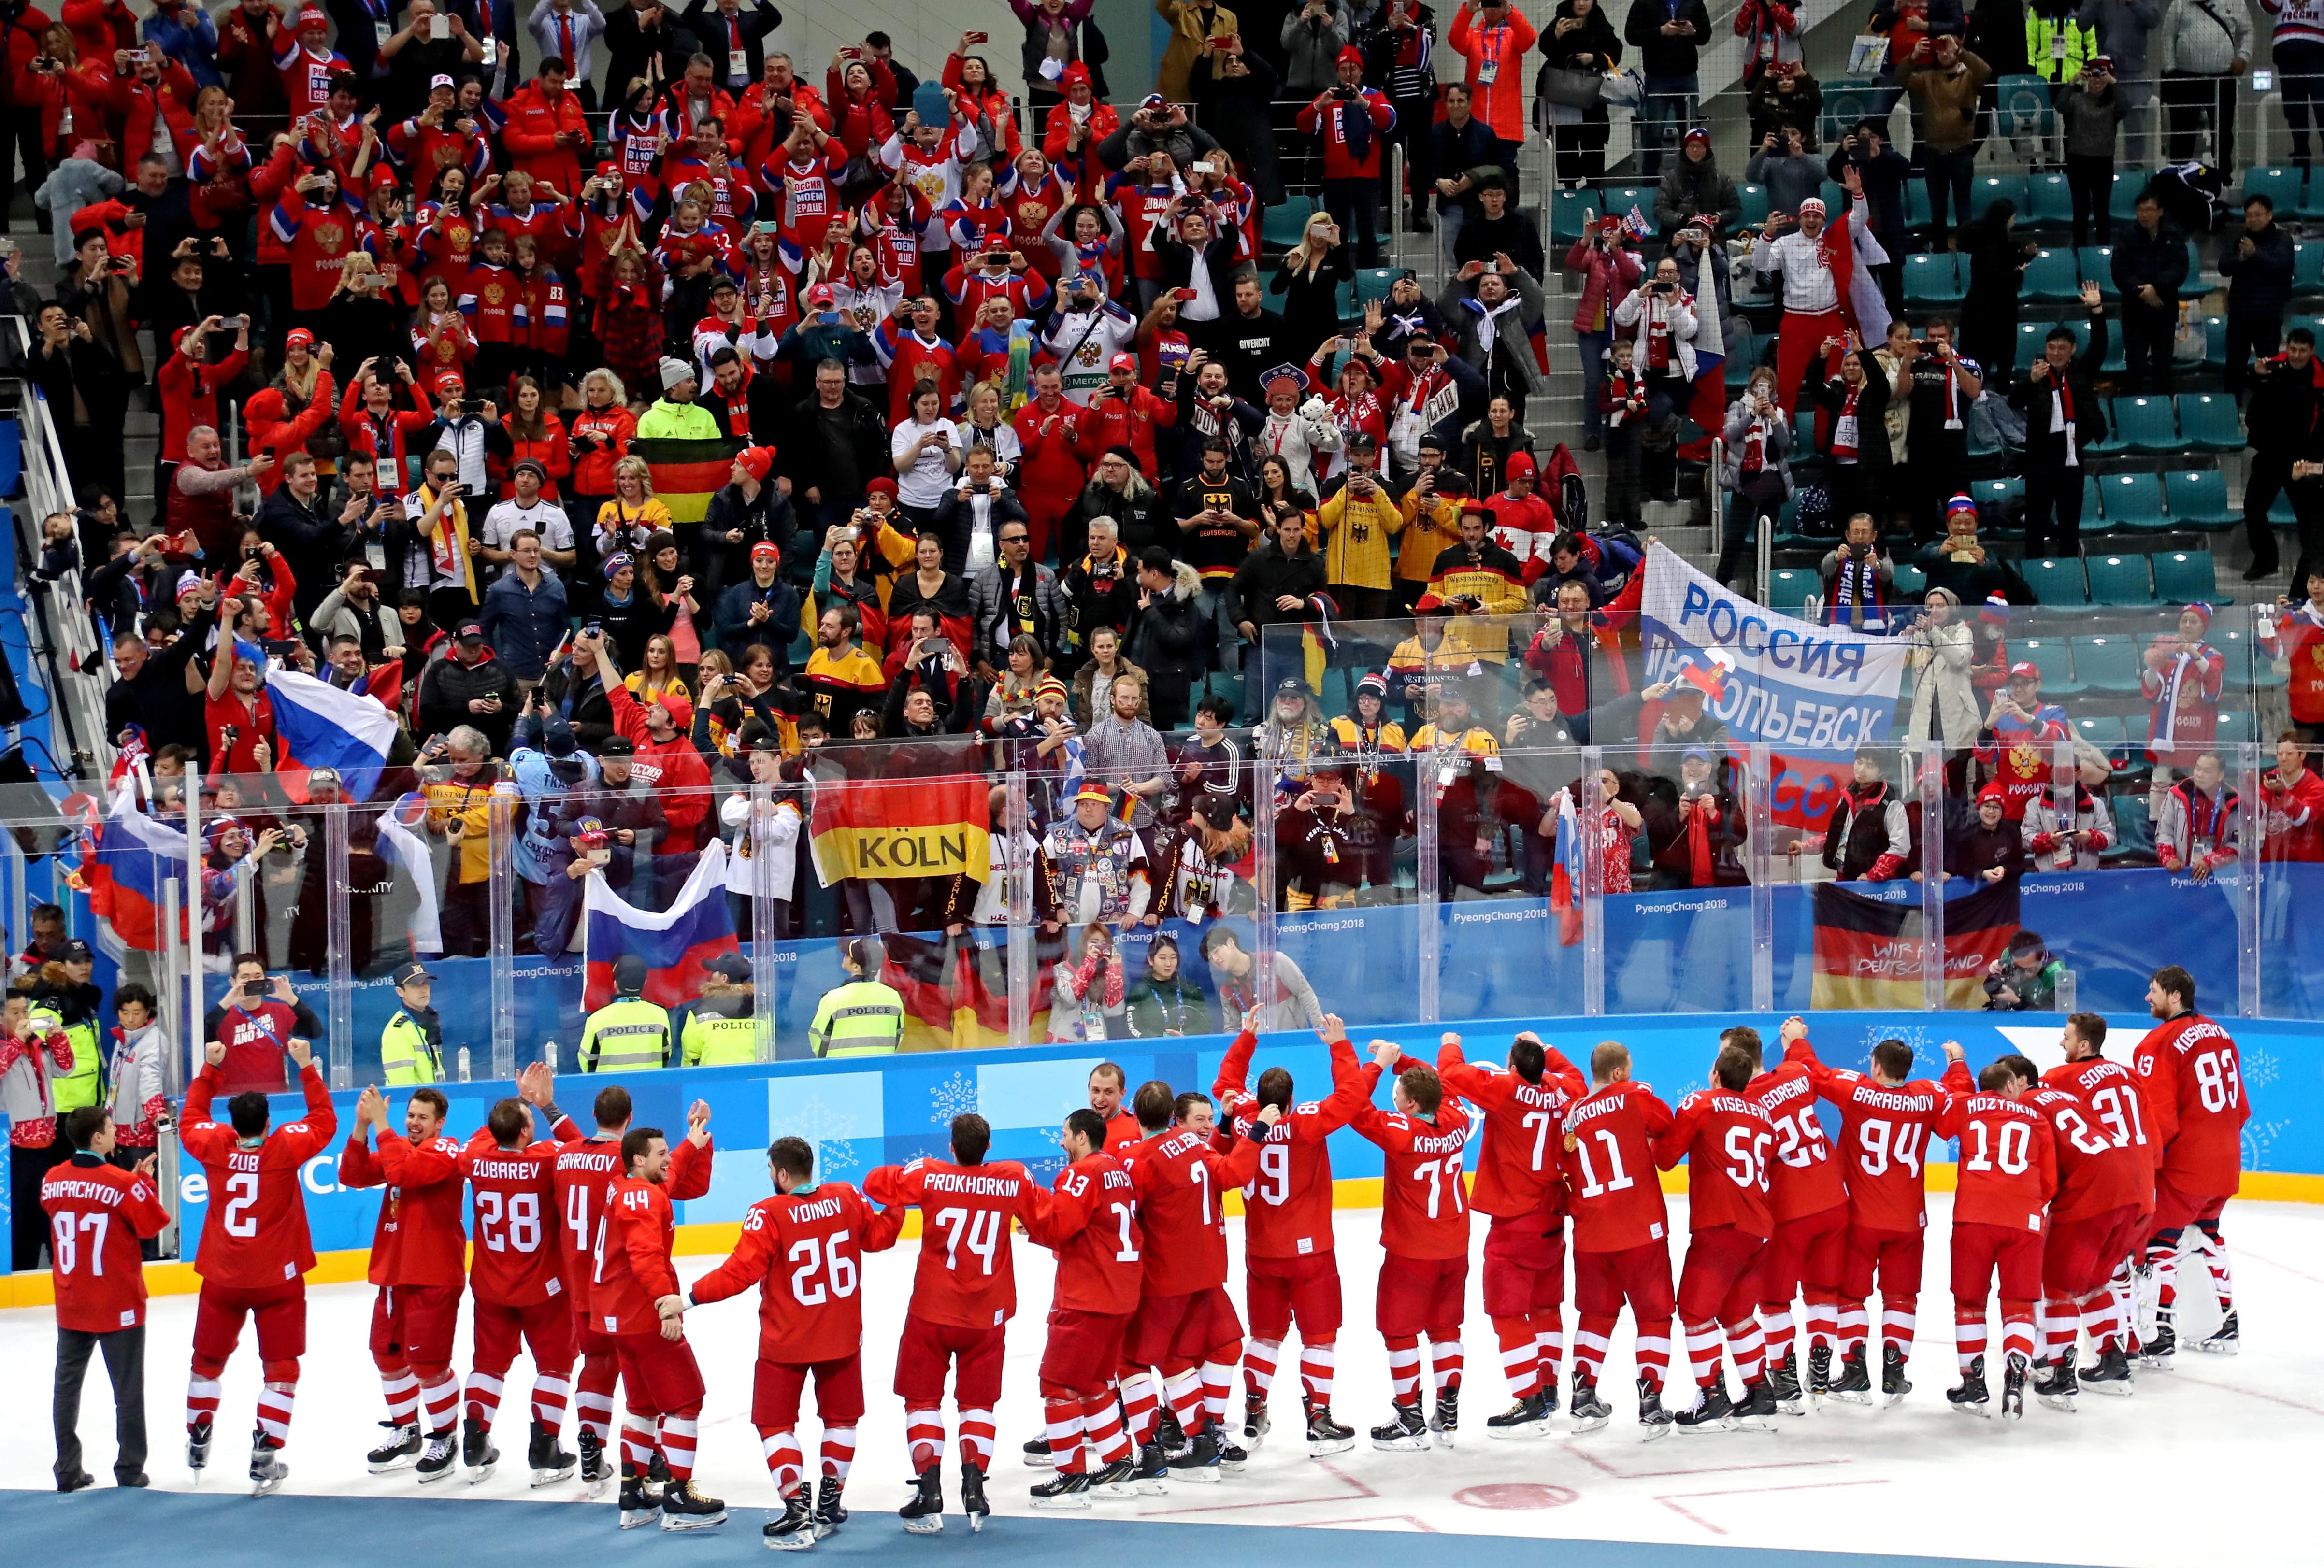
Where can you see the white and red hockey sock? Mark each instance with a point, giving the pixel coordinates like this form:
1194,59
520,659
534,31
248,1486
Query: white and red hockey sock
2122,1289
550,1391
1445,1360
2060,1319
2162,1258
483,1397
1183,1389
1898,1319
785,1462
1218,1383
2101,1311
275,1400
1654,1349
440,1398
592,1396
1969,1333
1404,1368
1062,1413
2017,1329
1775,1329
1549,1345
838,1453
1824,1316
1520,1356
2215,1258
977,1430
678,1436
202,1393
1702,1353
402,1391
1102,1425
1140,1407
924,1435
1747,1343
1591,1339
1852,1328
1258,1361
637,1443
1319,1365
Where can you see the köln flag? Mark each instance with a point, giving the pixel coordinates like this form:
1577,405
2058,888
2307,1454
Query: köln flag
913,808
1867,952
687,474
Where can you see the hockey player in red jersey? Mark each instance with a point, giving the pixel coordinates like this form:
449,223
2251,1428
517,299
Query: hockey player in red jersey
98,1216
1424,1279
1107,1084
964,1294
1091,1226
585,1170
1808,1203
1621,1234
634,1297
1521,1189
418,1264
1727,1143
804,1249
1291,1273
517,1291
2194,1079
1886,1118
2116,1101
254,1251
2008,1172
1186,1325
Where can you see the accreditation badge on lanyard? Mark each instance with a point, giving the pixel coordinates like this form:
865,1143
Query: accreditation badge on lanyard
1489,69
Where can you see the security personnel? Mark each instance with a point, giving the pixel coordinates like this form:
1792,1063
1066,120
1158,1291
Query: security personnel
2056,46
862,1018
628,1032
75,1003
412,1045
723,1028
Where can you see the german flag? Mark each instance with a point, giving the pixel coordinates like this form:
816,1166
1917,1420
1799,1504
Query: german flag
956,990
901,809
1867,952
688,473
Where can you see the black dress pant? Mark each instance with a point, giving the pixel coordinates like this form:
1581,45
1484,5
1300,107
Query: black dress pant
124,1363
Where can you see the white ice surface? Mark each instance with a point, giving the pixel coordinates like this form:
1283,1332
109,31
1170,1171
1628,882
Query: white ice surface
2232,1443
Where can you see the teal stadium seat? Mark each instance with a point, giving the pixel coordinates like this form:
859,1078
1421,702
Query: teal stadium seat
2146,426
2133,501
1988,188
2048,655
2119,580
1285,221
1932,279
2052,202
1788,588
2052,277
2187,577
2057,580
1753,198
2279,185
2208,422
2199,499
2107,666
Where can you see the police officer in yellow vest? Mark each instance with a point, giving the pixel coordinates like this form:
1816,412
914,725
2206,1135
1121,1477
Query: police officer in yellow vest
628,1032
85,1084
2055,45
412,1045
862,1018
723,1027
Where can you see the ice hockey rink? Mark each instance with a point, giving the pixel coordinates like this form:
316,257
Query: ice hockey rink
2207,1462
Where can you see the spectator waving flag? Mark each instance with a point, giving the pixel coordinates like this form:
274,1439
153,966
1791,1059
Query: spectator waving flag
402,847
135,857
676,942
322,726
1564,877
1708,407
687,474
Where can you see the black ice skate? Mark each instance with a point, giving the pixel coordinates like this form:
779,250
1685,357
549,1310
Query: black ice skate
795,1531
1784,1385
1118,1479
550,1463
198,1448
2111,1376
1971,1399
2013,1388
1528,1417
1150,1478
637,1510
267,1471
1064,1492
1758,1411
400,1452
1819,1368
2223,1340
924,1515
2056,1387
1404,1430
1712,1412
1894,1384
1654,1421
440,1459
1171,1436
972,1497
1854,1386
657,1476
1200,1462
1590,1413
2156,1352
478,1453
1038,1455
594,1472
1325,1436
684,1507
1445,1421
1255,1423
830,1506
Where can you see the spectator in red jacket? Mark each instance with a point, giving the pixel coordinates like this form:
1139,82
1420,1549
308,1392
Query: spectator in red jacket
662,731
1353,121
545,136
1125,415
2291,797
189,386
274,430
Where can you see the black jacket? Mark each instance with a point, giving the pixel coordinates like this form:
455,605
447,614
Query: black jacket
1171,638
311,539
755,23
157,701
2279,419
1661,56
1267,575
2033,398
447,687
769,520
2261,285
1871,414
580,702
2159,258
956,520
806,456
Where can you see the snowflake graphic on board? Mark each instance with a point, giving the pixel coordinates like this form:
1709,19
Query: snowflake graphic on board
1927,1047
2259,1138
832,1133
956,1096
2259,1069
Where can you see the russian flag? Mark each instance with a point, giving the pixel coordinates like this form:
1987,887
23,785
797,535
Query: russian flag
1565,876
322,726
399,844
675,943
135,857
1708,407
